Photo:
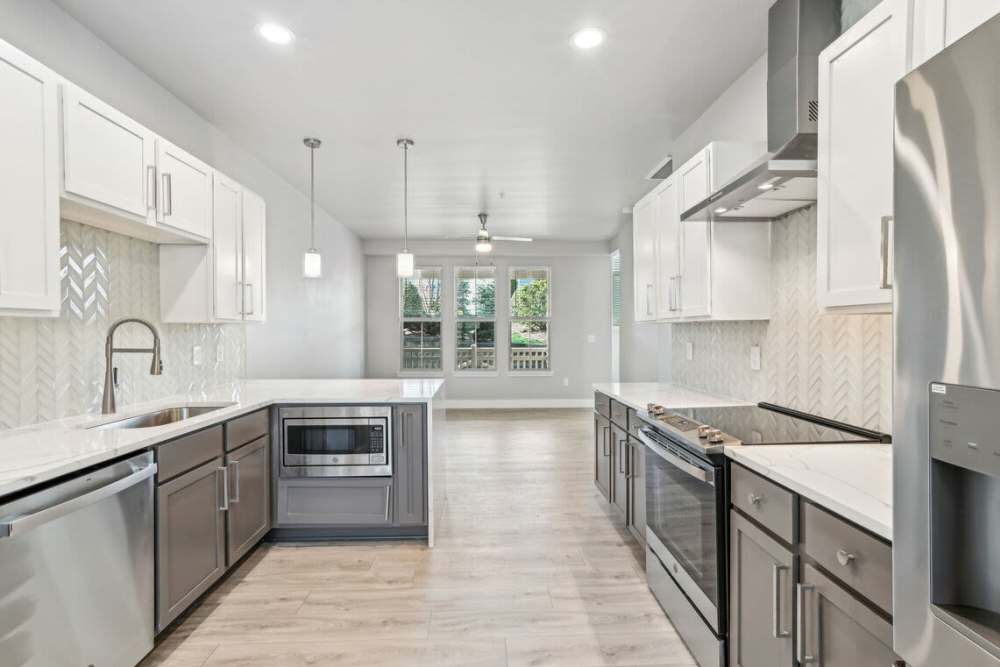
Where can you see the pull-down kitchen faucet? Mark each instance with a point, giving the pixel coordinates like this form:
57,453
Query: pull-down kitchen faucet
111,374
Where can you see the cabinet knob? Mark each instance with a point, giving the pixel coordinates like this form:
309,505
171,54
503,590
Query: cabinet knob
754,499
845,558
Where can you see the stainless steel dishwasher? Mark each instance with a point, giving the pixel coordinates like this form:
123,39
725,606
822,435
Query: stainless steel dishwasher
76,570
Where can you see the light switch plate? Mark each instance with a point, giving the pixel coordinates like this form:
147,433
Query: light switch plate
591,338
689,350
196,355
755,357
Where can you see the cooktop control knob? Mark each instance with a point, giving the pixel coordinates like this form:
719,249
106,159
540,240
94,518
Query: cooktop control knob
715,436
703,431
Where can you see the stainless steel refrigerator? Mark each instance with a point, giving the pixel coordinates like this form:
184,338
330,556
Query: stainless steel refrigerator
946,403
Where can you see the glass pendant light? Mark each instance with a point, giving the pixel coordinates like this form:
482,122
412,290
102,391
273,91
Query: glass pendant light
404,260
312,261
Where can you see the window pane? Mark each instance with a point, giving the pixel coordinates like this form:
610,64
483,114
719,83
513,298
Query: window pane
529,293
421,295
475,346
529,346
421,346
475,292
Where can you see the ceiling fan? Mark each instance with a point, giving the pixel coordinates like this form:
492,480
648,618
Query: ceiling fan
484,242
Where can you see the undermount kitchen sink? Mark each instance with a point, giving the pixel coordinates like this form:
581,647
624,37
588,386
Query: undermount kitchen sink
162,417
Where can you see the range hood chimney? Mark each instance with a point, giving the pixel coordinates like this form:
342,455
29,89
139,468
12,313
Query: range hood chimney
783,180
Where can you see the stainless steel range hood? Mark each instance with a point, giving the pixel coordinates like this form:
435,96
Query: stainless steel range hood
784,179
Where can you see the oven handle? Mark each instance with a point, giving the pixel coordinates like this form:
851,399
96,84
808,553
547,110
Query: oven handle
700,474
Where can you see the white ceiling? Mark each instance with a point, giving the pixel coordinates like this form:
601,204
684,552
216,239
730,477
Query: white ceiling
494,95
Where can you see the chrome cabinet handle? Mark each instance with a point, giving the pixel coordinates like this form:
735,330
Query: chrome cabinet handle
621,457
604,442
168,195
670,299
150,187
649,307
387,491
240,298
754,499
235,465
225,487
245,286
886,279
845,558
776,630
801,654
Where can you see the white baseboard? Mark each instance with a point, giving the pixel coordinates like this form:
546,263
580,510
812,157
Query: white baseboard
516,403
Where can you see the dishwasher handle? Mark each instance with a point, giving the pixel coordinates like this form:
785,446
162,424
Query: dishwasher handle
22,524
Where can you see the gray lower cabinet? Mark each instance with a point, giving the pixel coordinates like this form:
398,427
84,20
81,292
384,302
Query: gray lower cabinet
602,454
637,489
761,585
409,466
354,501
619,468
836,629
191,538
249,515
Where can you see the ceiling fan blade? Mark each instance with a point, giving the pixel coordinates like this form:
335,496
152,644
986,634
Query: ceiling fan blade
521,239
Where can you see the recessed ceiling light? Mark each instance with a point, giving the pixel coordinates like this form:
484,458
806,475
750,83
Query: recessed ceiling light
721,209
276,34
588,38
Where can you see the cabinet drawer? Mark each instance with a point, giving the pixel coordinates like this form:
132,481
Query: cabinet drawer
634,423
246,429
619,413
187,452
602,404
764,501
859,560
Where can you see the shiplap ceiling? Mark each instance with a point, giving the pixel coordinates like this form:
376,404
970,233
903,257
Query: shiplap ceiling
493,93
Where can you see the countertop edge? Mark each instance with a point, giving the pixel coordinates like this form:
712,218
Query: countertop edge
848,513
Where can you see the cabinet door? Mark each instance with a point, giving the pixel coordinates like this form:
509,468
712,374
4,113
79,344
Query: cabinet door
227,246
29,185
644,259
249,516
184,195
694,283
836,629
191,538
602,455
254,260
667,228
350,501
857,75
945,21
619,469
409,466
694,180
108,158
637,489
760,609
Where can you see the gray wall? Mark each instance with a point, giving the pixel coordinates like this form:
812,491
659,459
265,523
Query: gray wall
581,306
314,329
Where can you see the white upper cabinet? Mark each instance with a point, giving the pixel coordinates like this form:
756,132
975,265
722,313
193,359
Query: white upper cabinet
644,258
254,244
668,263
857,75
227,246
29,186
184,190
108,158
939,23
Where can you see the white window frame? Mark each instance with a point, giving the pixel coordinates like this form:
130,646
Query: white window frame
512,319
420,372
460,319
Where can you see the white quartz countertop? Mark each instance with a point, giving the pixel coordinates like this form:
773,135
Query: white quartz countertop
637,394
854,481
39,453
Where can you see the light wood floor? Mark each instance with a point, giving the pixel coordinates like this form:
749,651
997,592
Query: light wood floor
528,570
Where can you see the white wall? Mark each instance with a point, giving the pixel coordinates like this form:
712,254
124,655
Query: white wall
314,329
581,306
638,340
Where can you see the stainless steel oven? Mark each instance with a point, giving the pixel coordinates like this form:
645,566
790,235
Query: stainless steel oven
345,441
685,535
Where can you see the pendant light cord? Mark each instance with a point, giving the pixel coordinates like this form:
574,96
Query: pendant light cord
406,194
312,196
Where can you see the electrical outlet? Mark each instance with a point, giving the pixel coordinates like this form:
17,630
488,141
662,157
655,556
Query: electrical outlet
755,357
196,356
591,338
565,382
689,350
218,354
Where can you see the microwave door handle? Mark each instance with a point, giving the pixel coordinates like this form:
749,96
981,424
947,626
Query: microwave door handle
690,469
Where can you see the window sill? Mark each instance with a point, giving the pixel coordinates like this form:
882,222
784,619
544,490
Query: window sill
419,374
530,373
475,374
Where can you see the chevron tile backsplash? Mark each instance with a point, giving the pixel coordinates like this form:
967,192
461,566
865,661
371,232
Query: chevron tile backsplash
54,367
837,366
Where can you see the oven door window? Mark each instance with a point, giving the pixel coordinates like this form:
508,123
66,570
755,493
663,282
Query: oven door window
307,438
682,511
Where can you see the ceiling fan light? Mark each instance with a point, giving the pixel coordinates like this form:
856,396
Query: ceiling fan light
404,264
312,264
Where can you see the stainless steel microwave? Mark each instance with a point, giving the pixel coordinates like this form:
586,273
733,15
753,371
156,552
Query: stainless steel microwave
345,441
